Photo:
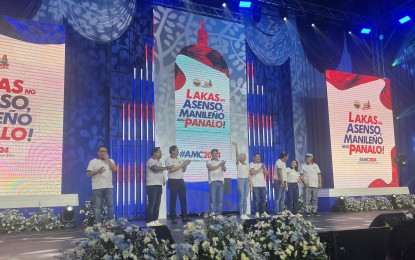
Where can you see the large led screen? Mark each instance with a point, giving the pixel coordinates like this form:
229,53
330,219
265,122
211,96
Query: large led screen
361,131
31,115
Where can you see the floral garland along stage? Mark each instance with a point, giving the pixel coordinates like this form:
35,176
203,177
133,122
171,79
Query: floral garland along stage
12,220
379,203
284,236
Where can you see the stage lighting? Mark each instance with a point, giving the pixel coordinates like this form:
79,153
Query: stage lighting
68,217
365,31
350,32
224,5
313,25
404,19
401,159
340,205
392,199
245,4
283,12
381,37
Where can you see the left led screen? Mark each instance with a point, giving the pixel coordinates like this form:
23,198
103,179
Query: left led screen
31,117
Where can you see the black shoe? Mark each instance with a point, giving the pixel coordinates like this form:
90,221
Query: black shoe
174,221
316,213
186,220
307,214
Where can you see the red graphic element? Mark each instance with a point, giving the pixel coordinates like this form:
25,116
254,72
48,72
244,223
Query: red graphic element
344,81
202,53
385,95
395,179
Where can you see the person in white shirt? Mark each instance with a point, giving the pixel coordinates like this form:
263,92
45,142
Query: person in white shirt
176,184
293,178
215,168
101,169
280,182
258,172
312,180
243,181
154,182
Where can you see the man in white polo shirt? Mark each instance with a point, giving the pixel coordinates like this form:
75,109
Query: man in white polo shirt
215,168
258,172
280,182
154,182
101,169
176,184
312,180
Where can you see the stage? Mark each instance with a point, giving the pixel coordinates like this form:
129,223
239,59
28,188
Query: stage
44,245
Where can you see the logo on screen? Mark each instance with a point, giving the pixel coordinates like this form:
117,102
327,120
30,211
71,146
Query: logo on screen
363,106
4,63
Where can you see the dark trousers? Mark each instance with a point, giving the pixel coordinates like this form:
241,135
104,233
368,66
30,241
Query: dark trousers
260,194
153,202
293,194
177,187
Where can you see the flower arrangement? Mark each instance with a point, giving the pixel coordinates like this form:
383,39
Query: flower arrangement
88,212
383,203
114,240
11,220
287,236
405,201
216,237
367,204
43,219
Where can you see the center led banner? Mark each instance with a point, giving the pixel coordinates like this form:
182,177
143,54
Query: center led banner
31,108
200,94
361,131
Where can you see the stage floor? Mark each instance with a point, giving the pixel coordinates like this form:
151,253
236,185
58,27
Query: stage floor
44,245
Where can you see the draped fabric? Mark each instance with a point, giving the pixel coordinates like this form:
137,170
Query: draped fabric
50,12
310,113
20,8
30,31
360,50
99,21
403,97
268,39
322,44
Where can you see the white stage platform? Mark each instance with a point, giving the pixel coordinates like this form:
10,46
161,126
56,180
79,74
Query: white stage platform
35,201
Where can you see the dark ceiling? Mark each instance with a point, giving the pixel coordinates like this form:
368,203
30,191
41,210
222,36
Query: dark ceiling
370,8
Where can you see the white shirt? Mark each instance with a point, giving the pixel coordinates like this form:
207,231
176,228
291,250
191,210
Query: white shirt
292,175
217,174
101,180
154,177
174,162
283,166
243,171
311,172
258,180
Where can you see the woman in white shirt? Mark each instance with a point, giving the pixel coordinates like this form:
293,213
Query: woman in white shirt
243,181
293,178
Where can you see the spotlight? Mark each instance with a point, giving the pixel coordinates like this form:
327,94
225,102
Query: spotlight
224,5
381,37
350,32
365,30
340,205
313,25
401,159
245,4
392,199
283,12
68,217
404,19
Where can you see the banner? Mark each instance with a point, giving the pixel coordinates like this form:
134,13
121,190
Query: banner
361,131
200,93
31,113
